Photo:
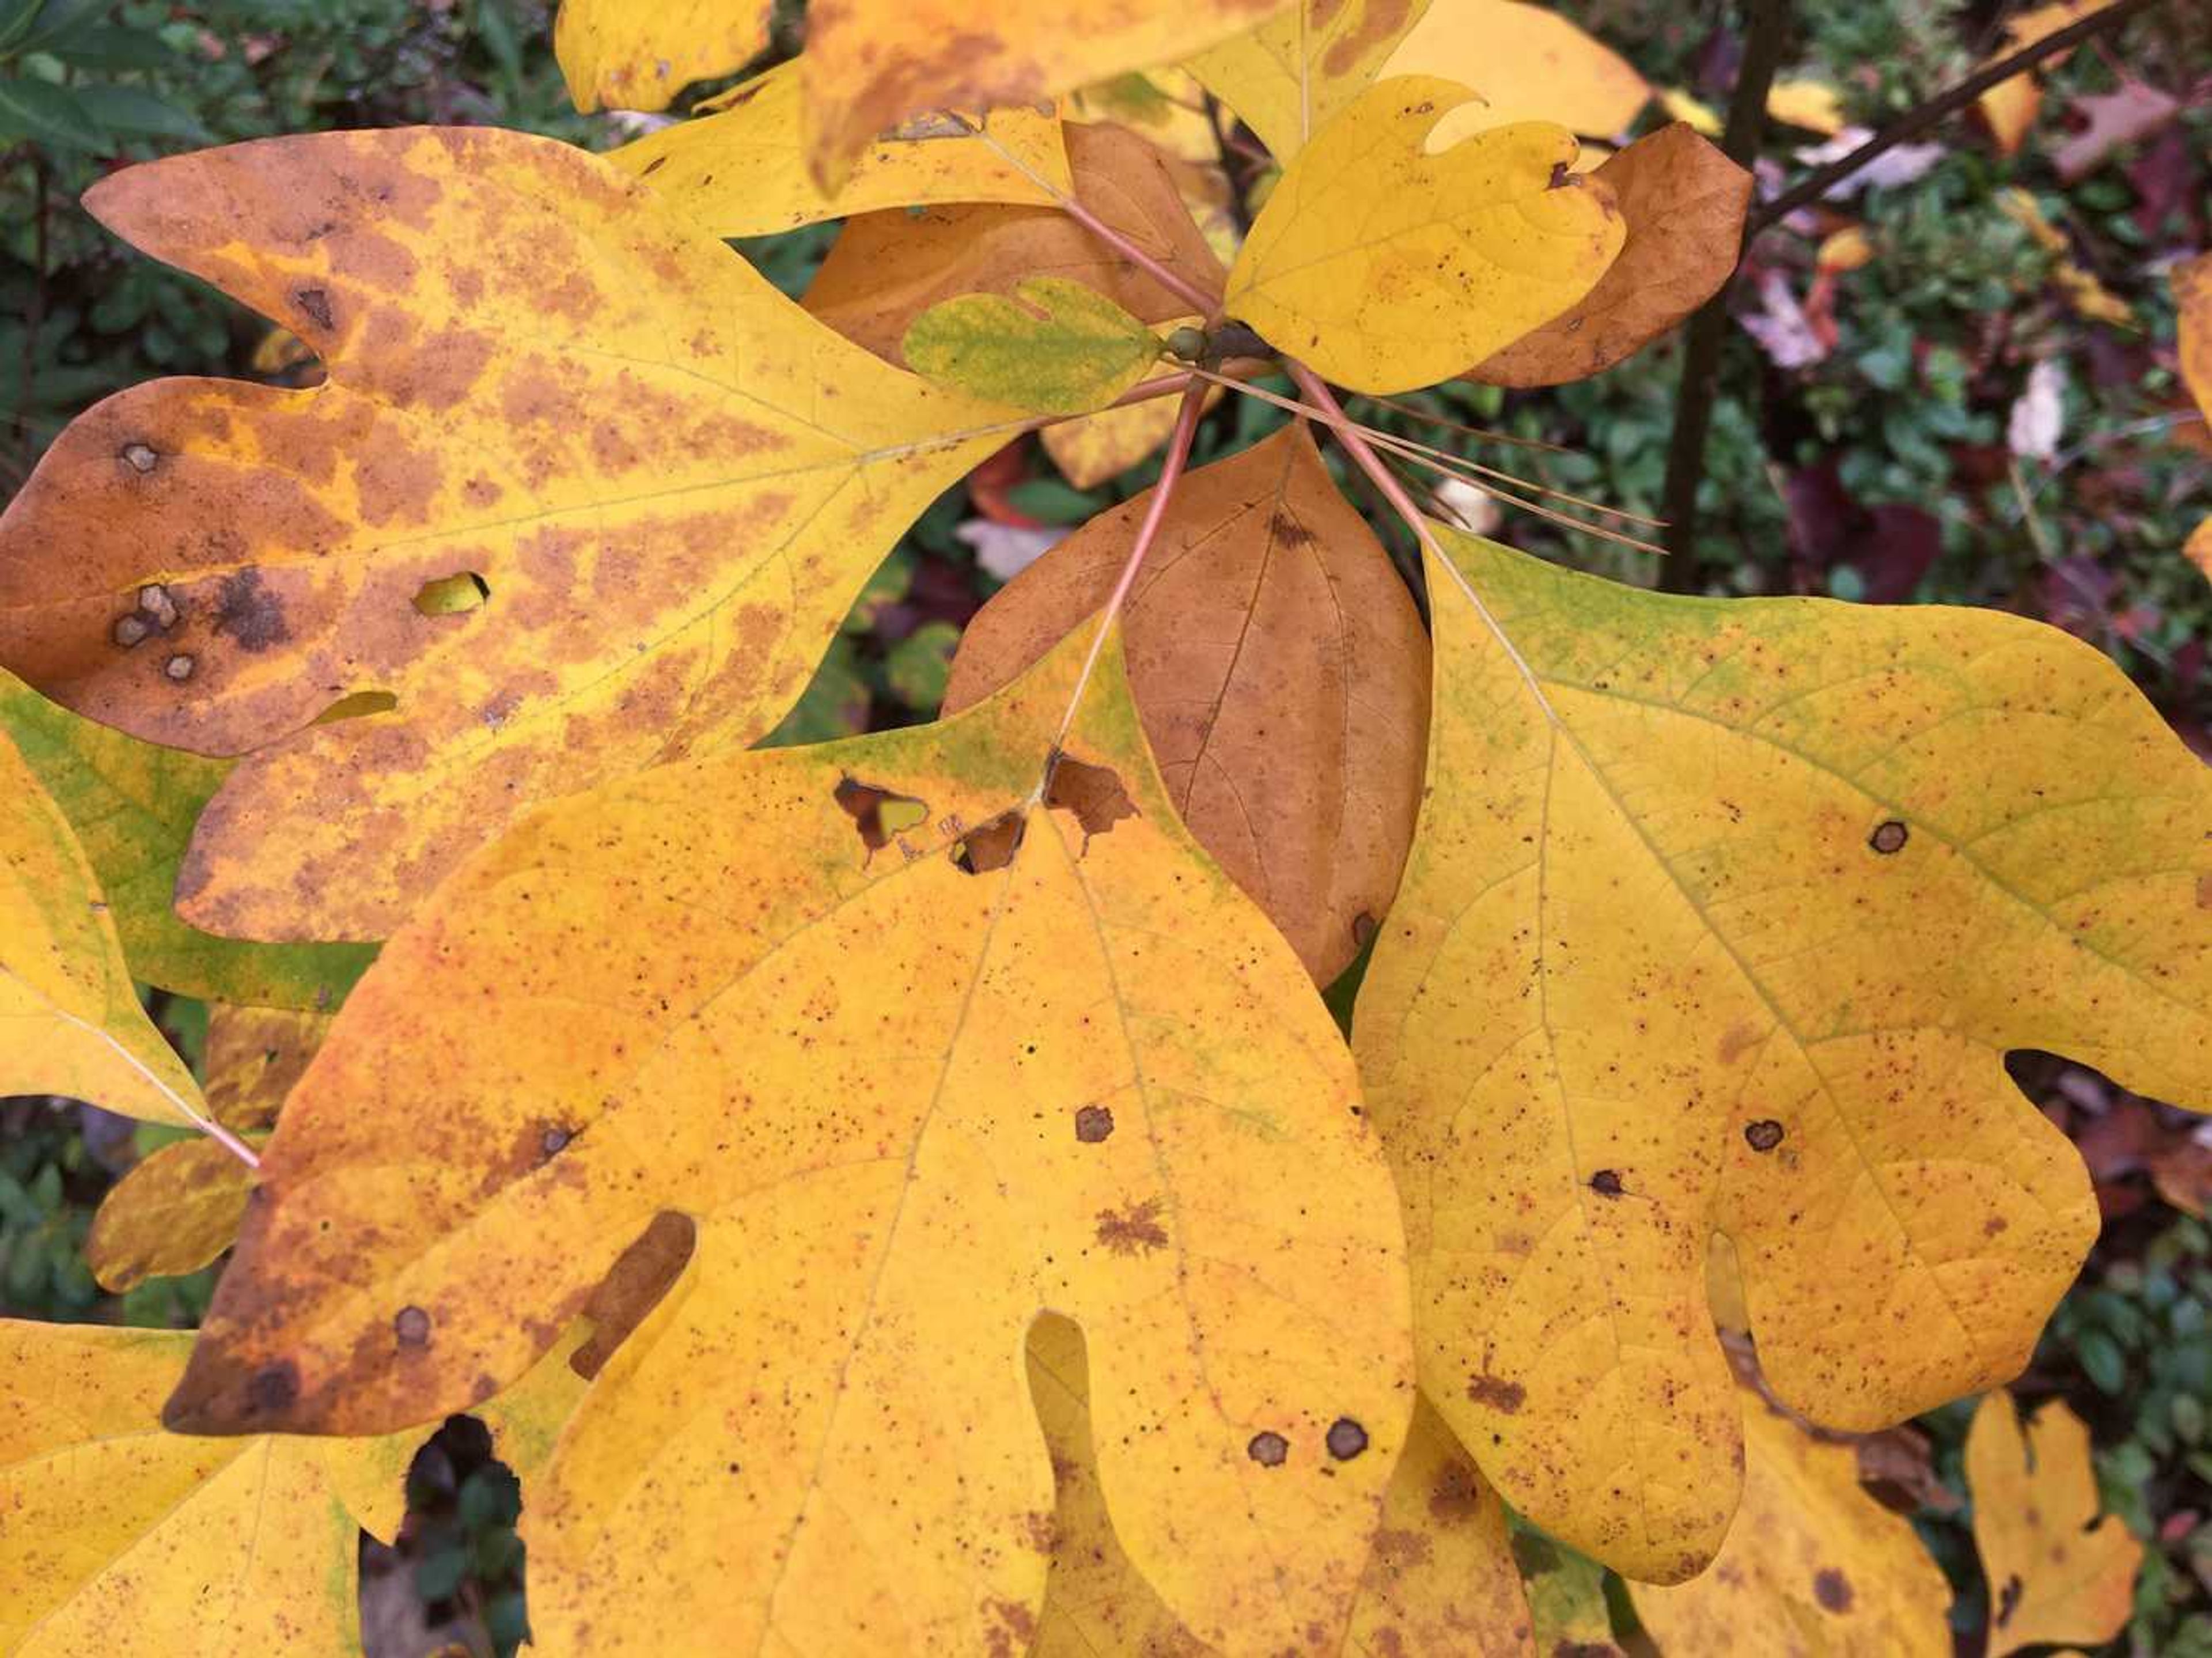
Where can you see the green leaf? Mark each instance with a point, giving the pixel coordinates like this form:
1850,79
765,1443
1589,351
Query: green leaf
48,114
135,111
1055,347
105,46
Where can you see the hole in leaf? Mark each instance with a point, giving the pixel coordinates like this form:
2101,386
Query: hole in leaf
878,813
991,845
1093,793
451,595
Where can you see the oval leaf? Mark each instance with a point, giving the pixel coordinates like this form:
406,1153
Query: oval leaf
1055,347
616,54
1720,916
1384,267
1525,62
1281,670
174,1212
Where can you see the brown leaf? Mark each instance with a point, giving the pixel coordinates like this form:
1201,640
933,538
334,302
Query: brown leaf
887,268
1281,672
2116,119
1684,202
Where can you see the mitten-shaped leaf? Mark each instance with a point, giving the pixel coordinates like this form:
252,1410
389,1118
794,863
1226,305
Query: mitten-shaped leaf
1281,670
886,269
69,1019
1812,1563
124,1537
926,1037
1383,266
1683,201
1720,916
741,171
1285,78
666,482
1053,347
617,54
1525,62
2058,1573
133,806
1439,1578
871,64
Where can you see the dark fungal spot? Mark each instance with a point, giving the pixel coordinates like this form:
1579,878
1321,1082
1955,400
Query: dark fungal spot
1888,837
555,1138
2008,1600
273,1387
1346,1439
1269,1449
315,304
412,1326
1831,1589
1764,1135
1135,1232
139,456
654,167
249,611
1497,1392
1093,1123
1287,531
1606,1183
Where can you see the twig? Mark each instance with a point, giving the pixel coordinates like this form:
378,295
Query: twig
1708,330
1817,184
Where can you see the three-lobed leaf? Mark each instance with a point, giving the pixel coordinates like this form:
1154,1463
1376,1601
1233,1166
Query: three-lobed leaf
668,482
1720,916
1383,266
927,1038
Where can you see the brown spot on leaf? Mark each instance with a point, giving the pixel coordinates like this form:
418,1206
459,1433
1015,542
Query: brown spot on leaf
1093,793
1457,1494
1888,836
1831,1589
1040,1530
1346,1439
1764,1135
1738,1039
272,1387
412,1327
314,304
2008,1600
2204,890
249,612
877,813
1498,1392
1287,531
130,630
1268,1449
1137,1231
991,845
1015,1631
1093,1123
1606,1183
633,1287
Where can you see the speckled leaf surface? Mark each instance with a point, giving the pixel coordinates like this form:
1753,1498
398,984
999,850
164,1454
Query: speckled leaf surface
739,170
668,481
69,1019
1286,77
918,1070
1720,917
176,1210
133,806
618,54
1526,63
1052,346
1281,672
1384,267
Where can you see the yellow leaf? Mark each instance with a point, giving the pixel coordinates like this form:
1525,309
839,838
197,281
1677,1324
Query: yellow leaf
913,1088
174,1212
1683,202
1812,1563
1052,347
870,64
1720,916
1164,107
1525,62
1280,665
1099,447
1285,78
1848,249
123,1537
2192,302
1384,267
617,54
886,269
2009,108
133,806
740,172
1681,107
69,1019
1439,1578
671,483
1813,105
2057,1573
253,1057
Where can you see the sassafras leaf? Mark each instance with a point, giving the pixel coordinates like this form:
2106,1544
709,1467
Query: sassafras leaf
1052,347
1384,267
924,1046
1720,916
